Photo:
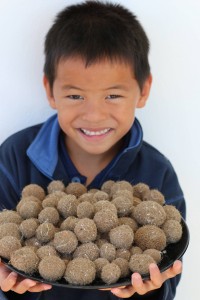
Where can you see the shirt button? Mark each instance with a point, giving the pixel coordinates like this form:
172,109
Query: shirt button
75,179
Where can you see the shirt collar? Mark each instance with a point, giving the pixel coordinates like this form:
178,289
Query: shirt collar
43,151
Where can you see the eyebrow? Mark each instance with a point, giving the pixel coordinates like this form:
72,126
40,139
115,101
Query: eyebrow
114,87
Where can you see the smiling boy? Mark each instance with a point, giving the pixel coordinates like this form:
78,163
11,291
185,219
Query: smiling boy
96,74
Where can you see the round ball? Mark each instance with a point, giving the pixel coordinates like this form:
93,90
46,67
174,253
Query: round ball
140,263
50,215
33,190
25,260
85,230
85,210
76,189
149,212
65,241
28,227
52,268
8,244
80,271
173,231
87,250
45,232
45,250
105,220
122,236
9,216
156,254
108,251
150,236
67,206
55,185
110,273
154,195
9,229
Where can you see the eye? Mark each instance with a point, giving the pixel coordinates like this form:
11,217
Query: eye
75,97
113,96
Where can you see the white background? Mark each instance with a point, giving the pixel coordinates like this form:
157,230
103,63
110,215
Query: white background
170,120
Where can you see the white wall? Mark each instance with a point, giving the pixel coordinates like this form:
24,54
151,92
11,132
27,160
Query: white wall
170,120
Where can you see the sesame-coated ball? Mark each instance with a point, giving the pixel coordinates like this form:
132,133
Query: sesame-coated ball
100,195
156,254
49,214
105,204
135,250
99,263
140,263
52,268
45,232
85,210
67,206
10,229
173,231
150,236
10,216
52,199
121,185
129,221
140,189
9,244
123,253
87,250
154,195
172,213
28,199
33,190
87,197
55,185
28,227
149,212
123,205
106,186
80,271
85,230
124,266
69,223
110,273
121,236
105,220
65,241
108,251
76,189
45,250
29,210
25,260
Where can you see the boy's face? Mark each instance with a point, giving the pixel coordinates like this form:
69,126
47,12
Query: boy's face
95,105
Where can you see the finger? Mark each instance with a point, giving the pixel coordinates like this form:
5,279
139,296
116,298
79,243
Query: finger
23,286
173,271
138,284
108,289
155,276
39,288
126,292
9,282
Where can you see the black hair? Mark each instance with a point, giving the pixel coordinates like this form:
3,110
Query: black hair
97,30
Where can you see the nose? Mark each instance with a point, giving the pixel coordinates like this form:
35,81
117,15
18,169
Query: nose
94,110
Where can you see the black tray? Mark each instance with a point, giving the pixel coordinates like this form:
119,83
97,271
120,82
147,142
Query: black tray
171,253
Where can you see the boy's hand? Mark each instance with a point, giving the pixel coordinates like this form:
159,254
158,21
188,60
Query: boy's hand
18,284
156,280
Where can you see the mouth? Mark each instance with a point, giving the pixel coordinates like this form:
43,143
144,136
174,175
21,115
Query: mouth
95,132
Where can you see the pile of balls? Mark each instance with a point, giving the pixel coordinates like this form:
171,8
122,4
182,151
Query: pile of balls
86,235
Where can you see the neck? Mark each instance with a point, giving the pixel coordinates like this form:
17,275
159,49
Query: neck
90,165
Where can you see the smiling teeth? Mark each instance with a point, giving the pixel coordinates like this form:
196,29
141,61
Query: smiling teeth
91,133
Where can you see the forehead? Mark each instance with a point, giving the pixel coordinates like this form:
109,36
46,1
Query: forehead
75,69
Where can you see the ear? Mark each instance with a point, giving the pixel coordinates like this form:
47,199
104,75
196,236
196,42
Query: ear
49,92
145,92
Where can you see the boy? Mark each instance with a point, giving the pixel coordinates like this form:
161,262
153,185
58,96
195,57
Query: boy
96,74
